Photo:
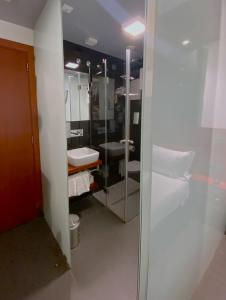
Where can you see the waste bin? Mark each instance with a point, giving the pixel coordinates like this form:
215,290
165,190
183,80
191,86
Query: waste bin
74,231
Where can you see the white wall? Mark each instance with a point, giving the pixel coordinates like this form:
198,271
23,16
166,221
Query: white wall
50,88
215,88
16,33
210,85
220,121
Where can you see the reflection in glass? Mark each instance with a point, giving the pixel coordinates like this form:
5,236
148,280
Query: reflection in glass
76,96
187,129
98,100
122,155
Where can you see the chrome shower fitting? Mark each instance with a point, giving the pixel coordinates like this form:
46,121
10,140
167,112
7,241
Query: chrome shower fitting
88,63
66,96
99,70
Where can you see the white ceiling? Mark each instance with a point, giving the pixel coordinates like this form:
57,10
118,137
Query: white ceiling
21,12
103,19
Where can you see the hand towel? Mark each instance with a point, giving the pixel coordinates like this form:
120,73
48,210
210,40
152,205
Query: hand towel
78,184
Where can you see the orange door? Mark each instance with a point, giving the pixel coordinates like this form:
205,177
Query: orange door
18,182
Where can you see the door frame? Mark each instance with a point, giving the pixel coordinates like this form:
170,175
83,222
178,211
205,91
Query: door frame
29,50
146,150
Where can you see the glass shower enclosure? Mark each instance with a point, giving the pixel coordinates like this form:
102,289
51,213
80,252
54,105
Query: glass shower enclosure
121,191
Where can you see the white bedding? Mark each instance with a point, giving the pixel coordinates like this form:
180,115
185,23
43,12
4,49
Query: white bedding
167,195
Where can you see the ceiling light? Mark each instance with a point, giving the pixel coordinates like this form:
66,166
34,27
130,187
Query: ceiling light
67,8
186,42
72,65
91,41
135,28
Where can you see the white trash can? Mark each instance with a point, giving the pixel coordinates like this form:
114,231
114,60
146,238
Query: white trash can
74,231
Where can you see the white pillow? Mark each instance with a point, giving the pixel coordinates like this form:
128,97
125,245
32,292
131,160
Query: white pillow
170,162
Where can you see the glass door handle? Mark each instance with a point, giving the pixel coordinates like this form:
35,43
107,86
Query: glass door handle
128,141
122,141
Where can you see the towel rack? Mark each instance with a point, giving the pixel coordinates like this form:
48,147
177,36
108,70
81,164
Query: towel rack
72,170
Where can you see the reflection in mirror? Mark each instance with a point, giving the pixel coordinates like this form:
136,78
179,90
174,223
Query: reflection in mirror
98,98
76,96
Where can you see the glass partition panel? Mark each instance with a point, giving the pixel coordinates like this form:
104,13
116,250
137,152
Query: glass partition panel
123,191
111,108
100,108
188,129
104,103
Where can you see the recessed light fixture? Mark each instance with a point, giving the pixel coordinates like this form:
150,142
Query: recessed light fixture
72,65
135,28
90,41
186,42
67,8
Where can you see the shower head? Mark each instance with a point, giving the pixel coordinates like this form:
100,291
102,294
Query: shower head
88,63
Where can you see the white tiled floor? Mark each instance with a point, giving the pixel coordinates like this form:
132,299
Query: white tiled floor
64,288
213,285
105,264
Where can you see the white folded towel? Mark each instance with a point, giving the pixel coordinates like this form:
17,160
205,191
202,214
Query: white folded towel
78,184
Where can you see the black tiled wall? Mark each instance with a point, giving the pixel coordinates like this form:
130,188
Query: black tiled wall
92,134
82,141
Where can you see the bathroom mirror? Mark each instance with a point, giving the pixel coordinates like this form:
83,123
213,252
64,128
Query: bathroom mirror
99,88
76,90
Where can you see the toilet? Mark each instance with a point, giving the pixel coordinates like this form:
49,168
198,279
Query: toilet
134,166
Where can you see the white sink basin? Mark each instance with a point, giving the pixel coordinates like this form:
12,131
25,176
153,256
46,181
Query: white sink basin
82,156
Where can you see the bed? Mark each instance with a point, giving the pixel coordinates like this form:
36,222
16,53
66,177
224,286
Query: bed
168,194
